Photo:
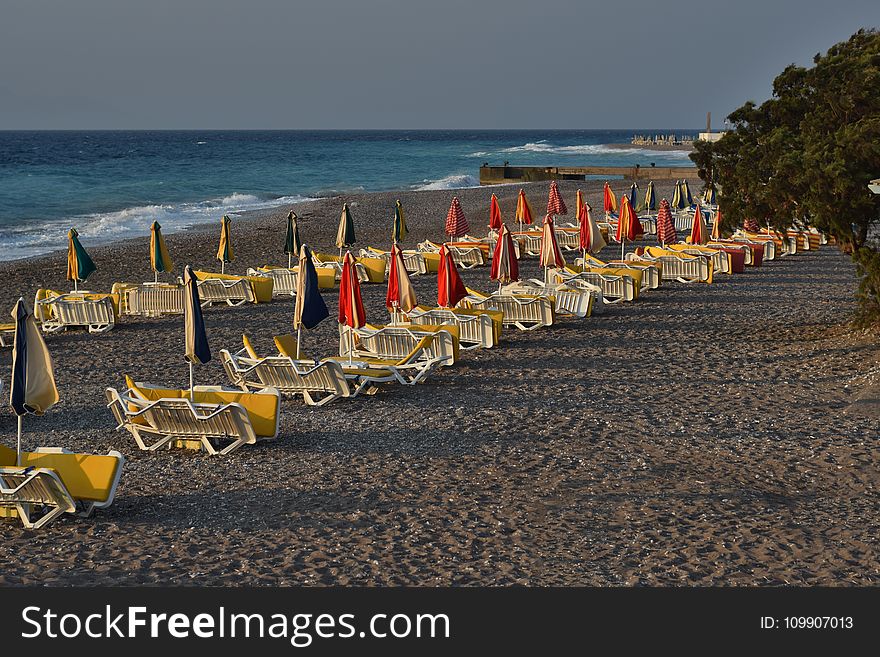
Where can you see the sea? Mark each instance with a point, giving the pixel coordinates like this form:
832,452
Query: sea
112,185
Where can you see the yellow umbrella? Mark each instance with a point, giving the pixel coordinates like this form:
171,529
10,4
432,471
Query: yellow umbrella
225,253
159,258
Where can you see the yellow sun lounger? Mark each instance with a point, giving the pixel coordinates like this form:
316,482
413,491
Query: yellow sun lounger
369,270
149,299
466,255
58,311
414,261
284,280
51,481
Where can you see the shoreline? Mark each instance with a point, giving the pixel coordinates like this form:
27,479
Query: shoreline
652,147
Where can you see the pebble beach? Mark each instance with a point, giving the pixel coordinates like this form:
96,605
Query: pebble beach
720,434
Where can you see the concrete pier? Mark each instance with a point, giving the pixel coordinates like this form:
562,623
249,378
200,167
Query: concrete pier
496,175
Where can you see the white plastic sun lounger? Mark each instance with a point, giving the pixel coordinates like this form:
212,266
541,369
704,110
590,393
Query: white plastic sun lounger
474,331
720,259
156,424
150,299
651,277
531,243
615,289
228,291
283,280
413,261
525,312
67,310
318,383
7,335
573,301
395,343
411,370
336,266
684,268
466,257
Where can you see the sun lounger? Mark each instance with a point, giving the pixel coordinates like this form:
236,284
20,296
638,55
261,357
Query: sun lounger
413,261
475,328
414,368
466,255
676,266
369,270
233,289
526,312
56,311
51,481
149,299
393,342
574,301
284,280
220,421
7,335
648,275
529,241
615,287
721,263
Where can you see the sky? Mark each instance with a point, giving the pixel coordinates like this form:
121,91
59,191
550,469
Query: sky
409,64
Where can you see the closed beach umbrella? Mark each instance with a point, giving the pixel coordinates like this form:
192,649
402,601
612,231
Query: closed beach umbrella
591,240
159,258
686,193
709,196
505,266
650,198
494,214
399,231
551,256
450,289
555,204
345,232
716,226
678,201
224,252
699,232
628,225
33,379
351,306
523,210
609,200
456,224
309,309
634,195
400,294
665,226
292,241
79,264
578,204
196,339
751,226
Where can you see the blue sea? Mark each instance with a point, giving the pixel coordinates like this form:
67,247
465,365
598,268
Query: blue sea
113,184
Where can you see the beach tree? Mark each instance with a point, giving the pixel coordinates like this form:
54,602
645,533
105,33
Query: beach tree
805,156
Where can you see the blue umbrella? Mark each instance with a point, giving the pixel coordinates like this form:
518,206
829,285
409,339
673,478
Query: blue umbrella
197,349
633,194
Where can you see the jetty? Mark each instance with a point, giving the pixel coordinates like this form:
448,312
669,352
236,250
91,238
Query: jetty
498,175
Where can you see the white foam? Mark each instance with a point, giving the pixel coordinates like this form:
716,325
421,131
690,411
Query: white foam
545,147
454,181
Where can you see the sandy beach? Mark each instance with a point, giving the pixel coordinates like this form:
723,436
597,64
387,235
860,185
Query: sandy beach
703,435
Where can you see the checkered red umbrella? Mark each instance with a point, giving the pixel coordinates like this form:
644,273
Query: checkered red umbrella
555,204
665,226
456,224
751,226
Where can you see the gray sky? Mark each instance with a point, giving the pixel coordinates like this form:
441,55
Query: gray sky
402,63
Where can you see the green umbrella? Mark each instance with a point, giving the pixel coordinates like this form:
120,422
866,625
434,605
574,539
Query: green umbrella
345,233
292,242
398,234
79,264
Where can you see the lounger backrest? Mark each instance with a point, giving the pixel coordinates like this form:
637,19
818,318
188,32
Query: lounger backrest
286,345
248,347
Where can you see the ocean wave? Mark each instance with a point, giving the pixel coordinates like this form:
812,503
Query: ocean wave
454,181
36,238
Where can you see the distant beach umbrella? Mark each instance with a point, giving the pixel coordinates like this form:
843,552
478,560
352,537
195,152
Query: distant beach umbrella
400,295
505,266
32,388
224,252
494,214
450,289
699,232
555,204
309,309
292,241
709,196
550,255
634,195
628,225
345,233
665,226
79,264
751,226
716,226
686,193
399,231
650,204
197,349
591,240
456,224
523,210
351,305
159,258
578,204
678,198
609,200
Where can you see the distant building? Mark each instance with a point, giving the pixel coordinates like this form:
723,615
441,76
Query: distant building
711,136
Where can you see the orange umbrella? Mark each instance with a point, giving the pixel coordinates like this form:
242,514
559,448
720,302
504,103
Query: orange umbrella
351,306
450,289
578,204
400,295
716,225
555,204
505,266
628,225
523,210
609,200
699,232
494,214
456,224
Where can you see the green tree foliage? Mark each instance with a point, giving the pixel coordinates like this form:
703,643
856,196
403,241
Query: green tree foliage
806,155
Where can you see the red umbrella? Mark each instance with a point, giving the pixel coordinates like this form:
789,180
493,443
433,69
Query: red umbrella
609,200
751,226
351,306
716,226
505,266
551,256
456,224
401,294
699,232
450,289
665,226
591,239
494,214
555,204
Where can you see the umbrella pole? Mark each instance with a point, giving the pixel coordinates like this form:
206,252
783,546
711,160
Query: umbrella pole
350,346
191,387
222,266
18,447
289,256
622,247
155,276
298,339
76,288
